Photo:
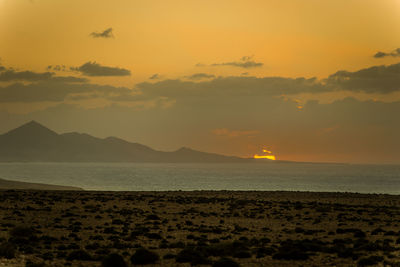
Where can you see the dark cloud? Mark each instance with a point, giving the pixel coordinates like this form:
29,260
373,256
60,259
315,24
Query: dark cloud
95,69
199,87
395,53
380,54
12,75
9,75
56,67
376,79
104,34
199,76
68,79
56,90
233,86
154,76
245,62
218,89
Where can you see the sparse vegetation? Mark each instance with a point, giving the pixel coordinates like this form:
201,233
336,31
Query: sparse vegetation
143,256
7,250
225,262
113,260
80,255
218,228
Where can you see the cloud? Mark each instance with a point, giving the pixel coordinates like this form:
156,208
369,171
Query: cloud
12,75
377,79
56,91
56,67
197,88
68,79
154,76
200,76
395,53
104,34
245,62
232,86
234,133
373,80
380,54
95,69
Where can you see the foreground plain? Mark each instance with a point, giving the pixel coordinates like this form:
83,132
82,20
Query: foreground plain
222,228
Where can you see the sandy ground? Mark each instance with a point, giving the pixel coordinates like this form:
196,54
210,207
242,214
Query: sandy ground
8,184
80,228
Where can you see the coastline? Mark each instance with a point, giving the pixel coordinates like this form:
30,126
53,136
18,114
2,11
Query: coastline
17,185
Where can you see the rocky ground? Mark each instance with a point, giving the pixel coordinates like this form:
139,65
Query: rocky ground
224,228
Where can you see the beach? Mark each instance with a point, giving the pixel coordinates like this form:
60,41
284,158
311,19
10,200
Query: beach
80,228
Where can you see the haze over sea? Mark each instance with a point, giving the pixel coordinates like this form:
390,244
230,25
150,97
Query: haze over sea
221,176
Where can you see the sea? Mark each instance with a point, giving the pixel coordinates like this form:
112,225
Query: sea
279,176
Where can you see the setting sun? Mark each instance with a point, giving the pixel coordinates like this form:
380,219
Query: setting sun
267,156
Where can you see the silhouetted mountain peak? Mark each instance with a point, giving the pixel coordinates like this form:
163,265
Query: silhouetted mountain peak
76,134
184,149
115,139
31,128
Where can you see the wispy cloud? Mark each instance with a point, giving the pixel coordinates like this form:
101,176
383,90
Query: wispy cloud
56,67
245,62
108,33
11,75
199,76
395,53
95,69
377,79
56,90
154,76
234,133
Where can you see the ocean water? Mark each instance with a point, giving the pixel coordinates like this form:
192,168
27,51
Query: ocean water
217,176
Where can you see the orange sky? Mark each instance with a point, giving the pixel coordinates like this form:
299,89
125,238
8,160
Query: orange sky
293,38
290,39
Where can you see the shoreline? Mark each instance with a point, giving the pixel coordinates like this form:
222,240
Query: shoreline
190,192
19,185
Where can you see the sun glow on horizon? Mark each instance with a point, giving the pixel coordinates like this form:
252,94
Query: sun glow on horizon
267,156
270,157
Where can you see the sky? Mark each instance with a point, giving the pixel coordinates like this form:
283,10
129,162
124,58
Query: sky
309,80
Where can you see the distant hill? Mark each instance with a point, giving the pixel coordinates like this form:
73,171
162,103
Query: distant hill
34,142
7,185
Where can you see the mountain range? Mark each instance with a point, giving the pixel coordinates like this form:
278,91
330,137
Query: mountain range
33,142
